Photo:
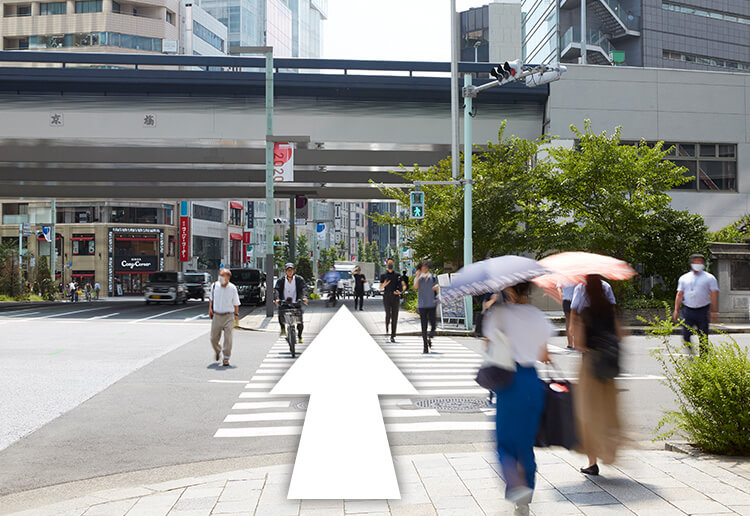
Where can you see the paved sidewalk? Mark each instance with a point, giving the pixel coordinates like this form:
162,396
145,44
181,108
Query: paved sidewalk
643,482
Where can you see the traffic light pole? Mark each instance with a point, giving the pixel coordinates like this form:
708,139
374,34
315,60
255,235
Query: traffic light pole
468,240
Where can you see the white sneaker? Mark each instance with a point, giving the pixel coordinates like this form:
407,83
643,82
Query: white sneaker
522,509
520,495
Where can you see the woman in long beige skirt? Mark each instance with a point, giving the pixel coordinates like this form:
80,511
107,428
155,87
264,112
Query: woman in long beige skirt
597,419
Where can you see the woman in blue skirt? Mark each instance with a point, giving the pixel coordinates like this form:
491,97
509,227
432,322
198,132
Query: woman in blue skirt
520,404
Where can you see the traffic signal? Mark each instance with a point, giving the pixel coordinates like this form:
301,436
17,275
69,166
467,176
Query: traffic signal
416,205
508,71
552,73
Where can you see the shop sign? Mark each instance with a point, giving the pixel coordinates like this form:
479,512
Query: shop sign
143,263
184,239
283,162
249,214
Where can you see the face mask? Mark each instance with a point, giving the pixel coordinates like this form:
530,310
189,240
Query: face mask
223,280
697,267
390,267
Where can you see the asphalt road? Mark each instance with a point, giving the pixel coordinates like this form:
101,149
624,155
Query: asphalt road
94,389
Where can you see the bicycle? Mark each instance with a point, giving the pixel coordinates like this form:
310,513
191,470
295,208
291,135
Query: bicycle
292,317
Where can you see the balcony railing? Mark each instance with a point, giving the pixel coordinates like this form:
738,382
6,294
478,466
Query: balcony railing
593,37
630,20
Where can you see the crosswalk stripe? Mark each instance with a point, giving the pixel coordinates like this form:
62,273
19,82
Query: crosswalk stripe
253,405
300,415
429,426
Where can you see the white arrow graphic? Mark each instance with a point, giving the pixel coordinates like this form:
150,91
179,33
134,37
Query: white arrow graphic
343,451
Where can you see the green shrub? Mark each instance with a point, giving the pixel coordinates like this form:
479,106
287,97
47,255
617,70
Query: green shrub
313,295
410,300
712,393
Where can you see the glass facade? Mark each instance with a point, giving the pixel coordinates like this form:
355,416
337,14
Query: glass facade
209,37
52,8
93,39
88,6
539,36
475,28
243,18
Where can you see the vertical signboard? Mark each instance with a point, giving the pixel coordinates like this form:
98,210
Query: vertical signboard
283,162
184,232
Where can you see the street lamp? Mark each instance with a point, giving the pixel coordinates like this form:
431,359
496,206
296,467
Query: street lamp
510,71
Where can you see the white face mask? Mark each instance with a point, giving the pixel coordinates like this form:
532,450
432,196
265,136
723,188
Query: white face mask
223,280
697,267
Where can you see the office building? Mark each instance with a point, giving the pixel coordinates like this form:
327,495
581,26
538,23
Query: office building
292,27
200,33
692,34
491,32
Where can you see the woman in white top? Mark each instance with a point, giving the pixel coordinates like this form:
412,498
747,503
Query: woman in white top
520,404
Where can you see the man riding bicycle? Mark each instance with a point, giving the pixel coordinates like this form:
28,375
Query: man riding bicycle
290,289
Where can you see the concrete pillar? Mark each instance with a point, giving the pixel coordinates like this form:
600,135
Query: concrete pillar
34,8
70,7
107,6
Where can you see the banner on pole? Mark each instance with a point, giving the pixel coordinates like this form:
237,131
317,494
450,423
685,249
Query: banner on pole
184,239
283,162
321,231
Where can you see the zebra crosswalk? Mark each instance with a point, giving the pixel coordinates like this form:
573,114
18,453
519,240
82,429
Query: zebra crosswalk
447,372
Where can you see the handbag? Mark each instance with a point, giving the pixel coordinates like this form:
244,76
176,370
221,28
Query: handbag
499,366
605,353
557,426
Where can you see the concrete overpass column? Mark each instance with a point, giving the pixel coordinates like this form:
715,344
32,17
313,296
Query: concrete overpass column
107,6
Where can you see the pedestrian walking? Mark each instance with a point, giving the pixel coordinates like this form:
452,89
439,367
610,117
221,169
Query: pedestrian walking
393,286
526,330
97,289
698,293
224,312
88,290
359,288
73,291
566,293
292,289
597,336
426,285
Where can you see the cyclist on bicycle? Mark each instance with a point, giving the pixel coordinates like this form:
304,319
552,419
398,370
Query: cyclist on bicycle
331,280
290,289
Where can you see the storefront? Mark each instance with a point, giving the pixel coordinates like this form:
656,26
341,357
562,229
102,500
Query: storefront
134,253
235,252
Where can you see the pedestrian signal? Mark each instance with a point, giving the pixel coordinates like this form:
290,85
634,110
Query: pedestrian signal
416,205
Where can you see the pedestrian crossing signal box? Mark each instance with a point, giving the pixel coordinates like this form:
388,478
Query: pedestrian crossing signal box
416,205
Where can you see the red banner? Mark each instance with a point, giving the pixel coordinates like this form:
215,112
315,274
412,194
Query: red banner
184,239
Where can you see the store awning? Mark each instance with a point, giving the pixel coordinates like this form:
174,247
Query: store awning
235,205
235,236
136,239
83,274
82,238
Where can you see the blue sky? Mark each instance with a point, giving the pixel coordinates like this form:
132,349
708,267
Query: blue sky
390,29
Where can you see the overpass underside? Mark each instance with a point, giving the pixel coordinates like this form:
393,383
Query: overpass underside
75,130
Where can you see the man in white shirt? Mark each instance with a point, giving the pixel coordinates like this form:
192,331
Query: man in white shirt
224,311
698,293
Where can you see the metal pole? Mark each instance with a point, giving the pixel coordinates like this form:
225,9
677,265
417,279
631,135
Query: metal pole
292,228
454,92
20,258
315,246
468,244
53,242
269,184
583,31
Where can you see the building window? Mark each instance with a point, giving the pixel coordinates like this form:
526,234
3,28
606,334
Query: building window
713,166
23,10
706,61
170,245
170,17
208,36
87,39
15,208
52,8
88,6
235,217
706,13
116,8
83,245
208,213
740,275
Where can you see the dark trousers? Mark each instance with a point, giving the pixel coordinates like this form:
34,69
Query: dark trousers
359,296
696,318
427,315
282,323
391,303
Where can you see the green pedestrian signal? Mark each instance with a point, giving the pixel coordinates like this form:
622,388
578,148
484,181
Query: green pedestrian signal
416,205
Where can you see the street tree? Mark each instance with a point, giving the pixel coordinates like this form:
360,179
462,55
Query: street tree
509,213
44,279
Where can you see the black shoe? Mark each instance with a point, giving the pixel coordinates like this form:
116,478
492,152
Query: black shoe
393,339
591,470
429,342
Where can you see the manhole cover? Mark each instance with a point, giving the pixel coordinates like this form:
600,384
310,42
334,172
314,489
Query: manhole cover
454,404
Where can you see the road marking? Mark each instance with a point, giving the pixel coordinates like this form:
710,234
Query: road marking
103,316
430,426
260,385
66,313
447,383
251,405
291,416
14,314
227,381
453,392
161,314
199,316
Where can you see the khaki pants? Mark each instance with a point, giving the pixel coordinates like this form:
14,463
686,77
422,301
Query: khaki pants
222,323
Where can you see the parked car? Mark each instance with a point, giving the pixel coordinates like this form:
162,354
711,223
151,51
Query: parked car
166,287
198,285
375,289
251,285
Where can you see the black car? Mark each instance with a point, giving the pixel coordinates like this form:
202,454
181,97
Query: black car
251,285
198,285
166,287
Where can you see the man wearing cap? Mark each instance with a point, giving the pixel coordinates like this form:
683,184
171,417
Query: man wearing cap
291,288
224,311
698,293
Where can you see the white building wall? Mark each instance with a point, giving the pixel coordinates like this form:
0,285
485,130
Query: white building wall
191,44
505,30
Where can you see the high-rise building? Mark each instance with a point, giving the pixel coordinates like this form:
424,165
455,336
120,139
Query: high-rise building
695,34
491,32
292,27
